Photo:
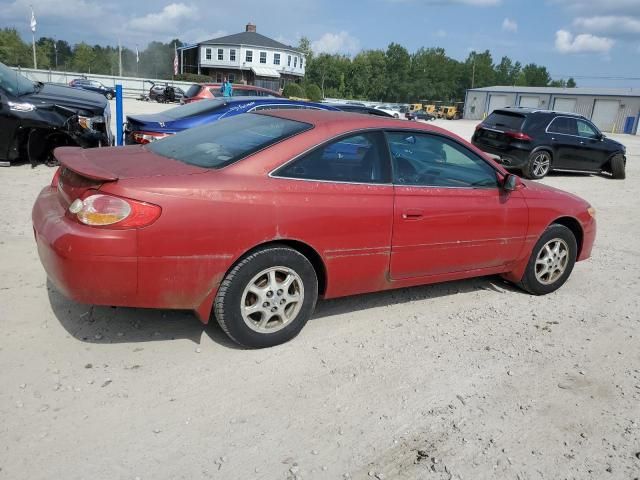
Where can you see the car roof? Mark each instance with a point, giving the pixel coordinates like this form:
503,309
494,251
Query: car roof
530,110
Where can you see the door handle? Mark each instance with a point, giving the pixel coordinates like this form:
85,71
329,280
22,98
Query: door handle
581,142
412,214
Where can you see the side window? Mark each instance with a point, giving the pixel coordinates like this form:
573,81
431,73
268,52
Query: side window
564,126
586,130
358,158
435,161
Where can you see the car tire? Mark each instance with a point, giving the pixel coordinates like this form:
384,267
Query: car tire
551,262
109,95
395,115
267,297
538,165
617,167
160,99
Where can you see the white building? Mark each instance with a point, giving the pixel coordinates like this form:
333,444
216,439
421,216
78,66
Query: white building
245,57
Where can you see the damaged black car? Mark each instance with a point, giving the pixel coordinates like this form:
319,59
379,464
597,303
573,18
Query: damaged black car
36,117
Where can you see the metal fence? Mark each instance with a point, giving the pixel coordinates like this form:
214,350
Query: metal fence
131,86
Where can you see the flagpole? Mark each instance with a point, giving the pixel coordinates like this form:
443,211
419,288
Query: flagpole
35,62
119,58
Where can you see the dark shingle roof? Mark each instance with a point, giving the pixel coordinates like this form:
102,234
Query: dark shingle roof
249,38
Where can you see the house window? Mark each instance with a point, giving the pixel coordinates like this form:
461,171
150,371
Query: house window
249,56
276,59
232,54
220,54
231,77
288,60
300,62
295,62
263,57
219,77
207,53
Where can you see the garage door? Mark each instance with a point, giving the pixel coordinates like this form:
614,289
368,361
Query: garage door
565,105
530,101
497,101
605,113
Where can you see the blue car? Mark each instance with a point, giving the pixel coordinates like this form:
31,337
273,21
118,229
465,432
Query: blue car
141,129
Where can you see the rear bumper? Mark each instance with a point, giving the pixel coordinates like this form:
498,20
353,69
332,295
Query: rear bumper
510,157
86,264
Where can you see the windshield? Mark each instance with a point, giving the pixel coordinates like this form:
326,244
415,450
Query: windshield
226,141
191,109
13,83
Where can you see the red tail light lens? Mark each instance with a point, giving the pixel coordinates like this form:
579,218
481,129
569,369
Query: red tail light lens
147,137
100,210
519,136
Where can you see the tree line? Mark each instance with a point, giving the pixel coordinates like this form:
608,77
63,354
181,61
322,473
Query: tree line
391,75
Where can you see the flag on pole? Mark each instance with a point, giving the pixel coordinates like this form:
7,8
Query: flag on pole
33,21
137,55
175,59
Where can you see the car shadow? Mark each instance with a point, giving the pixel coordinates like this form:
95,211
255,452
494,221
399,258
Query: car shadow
109,325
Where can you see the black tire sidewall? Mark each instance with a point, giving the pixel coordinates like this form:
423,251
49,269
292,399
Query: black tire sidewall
228,300
529,169
618,167
529,280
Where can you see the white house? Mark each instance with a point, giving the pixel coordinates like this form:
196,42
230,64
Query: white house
245,57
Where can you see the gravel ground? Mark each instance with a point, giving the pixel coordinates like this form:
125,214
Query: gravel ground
464,380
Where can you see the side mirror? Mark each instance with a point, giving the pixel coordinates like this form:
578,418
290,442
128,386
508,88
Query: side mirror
510,182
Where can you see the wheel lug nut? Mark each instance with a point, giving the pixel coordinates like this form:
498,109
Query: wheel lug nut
265,304
282,301
274,309
269,294
280,292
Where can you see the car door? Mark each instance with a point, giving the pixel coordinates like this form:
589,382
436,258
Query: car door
342,201
591,151
563,135
450,214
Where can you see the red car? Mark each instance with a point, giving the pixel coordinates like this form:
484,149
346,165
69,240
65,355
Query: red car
208,91
252,218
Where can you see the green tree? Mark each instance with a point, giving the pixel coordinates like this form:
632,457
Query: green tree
571,83
293,90
507,72
398,69
13,51
533,75
304,45
313,92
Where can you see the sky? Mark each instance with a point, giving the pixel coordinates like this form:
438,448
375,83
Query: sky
595,41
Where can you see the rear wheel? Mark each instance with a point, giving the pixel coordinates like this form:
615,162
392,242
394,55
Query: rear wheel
618,167
160,99
551,261
267,298
538,166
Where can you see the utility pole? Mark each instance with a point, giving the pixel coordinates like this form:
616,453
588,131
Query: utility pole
55,48
473,71
33,24
119,58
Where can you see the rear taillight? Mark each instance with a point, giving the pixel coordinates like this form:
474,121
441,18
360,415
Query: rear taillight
147,137
103,210
519,136
56,177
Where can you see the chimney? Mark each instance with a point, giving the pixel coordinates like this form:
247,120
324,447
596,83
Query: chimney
251,27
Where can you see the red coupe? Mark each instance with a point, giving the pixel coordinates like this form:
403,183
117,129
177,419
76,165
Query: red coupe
250,219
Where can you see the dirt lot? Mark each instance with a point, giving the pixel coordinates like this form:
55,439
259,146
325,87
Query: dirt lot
466,380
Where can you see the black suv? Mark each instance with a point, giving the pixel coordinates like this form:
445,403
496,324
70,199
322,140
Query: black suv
538,141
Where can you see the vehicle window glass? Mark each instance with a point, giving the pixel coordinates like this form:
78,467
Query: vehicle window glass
193,90
244,93
196,108
563,125
503,120
14,83
586,130
435,161
357,158
226,141
282,106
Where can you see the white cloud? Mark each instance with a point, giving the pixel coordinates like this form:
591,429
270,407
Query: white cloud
582,43
340,42
166,20
54,8
610,24
509,25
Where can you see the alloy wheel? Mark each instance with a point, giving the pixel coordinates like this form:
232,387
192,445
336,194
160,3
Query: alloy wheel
272,299
552,261
541,164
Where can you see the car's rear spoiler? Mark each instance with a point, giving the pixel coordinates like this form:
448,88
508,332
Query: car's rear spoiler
74,159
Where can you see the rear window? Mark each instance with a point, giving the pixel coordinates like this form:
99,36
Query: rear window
195,108
504,120
193,90
226,141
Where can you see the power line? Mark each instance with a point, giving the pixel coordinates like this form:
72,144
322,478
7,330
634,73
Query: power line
593,77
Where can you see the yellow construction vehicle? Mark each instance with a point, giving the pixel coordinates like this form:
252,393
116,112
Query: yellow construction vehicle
453,112
415,107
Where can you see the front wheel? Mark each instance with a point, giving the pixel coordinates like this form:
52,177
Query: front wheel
551,261
618,167
267,298
538,166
